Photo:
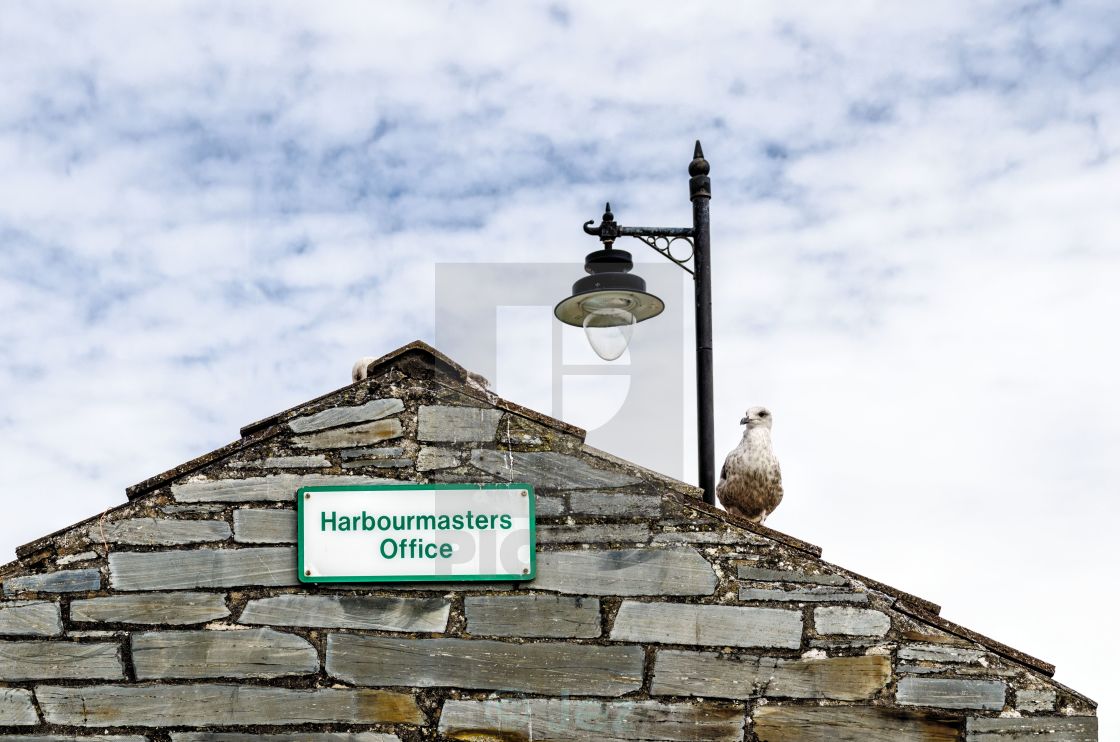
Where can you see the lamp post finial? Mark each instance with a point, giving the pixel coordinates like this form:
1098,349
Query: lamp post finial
699,185
698,166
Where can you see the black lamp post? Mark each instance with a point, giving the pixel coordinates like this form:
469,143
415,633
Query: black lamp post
608,302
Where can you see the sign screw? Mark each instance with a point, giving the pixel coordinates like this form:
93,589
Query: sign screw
306,573
525,571
307,495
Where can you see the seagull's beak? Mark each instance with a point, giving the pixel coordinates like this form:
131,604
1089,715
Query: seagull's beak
743,421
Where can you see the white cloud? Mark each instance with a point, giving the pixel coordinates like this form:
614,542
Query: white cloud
207,212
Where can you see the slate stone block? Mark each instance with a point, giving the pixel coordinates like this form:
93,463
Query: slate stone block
432,457
670,571
548,470
58,660
811,595
774,723
957,671
372,452
62,581
547,507
728,537
679,673
203,704
375,409
939,653
151,608
1035,700
952,693
16,708
161,531
532,616
1033,729
257,526
248,653
442,423
350,612
179,570
195,509
292,737
707,625
554,668
847,642
30,618
594,533
284,462
850,621
616,504
72,738
785,575
377,463
603,721
270,488
359,435
82,556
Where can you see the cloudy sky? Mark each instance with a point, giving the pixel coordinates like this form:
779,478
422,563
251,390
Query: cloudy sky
207,212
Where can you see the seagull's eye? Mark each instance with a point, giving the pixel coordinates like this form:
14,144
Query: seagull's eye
764,413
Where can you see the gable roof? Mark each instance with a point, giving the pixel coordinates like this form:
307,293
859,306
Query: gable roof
419,362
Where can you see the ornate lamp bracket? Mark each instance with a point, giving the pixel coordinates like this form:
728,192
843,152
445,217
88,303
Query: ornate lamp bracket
661,239
663,244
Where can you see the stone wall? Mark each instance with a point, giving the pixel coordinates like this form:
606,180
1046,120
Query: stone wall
178,616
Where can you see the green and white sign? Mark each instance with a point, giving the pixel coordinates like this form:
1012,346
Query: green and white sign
417,532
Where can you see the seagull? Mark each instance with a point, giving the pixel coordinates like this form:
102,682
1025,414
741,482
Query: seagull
750,483
361,368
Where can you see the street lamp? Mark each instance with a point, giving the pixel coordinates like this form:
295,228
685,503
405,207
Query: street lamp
609,301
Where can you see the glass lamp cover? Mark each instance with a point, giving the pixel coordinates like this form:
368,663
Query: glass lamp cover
609,331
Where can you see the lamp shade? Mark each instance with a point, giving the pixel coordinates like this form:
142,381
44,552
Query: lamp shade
609,291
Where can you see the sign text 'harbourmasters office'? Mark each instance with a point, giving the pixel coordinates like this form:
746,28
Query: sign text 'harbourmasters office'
416,532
